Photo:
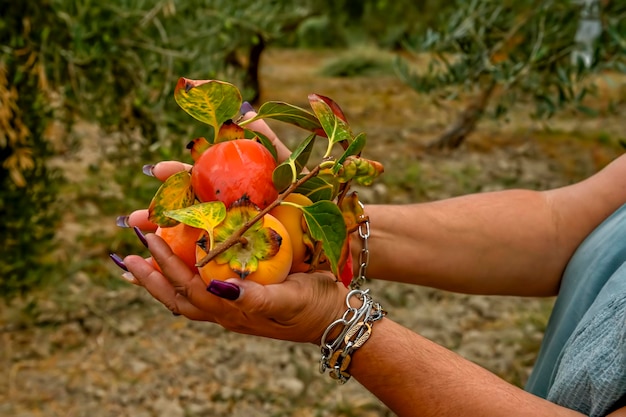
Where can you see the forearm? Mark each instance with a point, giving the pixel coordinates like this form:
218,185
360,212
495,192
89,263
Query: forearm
433,381
514,242
491,243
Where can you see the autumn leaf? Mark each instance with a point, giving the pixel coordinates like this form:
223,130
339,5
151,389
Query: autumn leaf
174,193
209,101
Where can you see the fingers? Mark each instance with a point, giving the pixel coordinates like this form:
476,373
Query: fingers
256,309
185,282
162,171
165,169
160,288
178,288
260,126
138,218
298,309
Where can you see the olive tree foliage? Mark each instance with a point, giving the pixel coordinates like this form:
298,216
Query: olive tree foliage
525,50
114,63
346,23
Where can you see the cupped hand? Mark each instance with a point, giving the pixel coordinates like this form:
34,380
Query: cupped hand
298,309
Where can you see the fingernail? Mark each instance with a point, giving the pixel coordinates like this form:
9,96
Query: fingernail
147,170
118,261
175,314
122,221
223,289
246,107
141,236
130,278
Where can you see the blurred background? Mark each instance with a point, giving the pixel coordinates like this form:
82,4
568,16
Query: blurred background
455,97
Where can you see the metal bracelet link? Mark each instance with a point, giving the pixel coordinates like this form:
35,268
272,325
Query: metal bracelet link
364,255
357,327
355,324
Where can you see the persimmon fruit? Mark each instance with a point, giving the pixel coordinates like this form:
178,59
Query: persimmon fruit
291,217
270,270
228,171
182,240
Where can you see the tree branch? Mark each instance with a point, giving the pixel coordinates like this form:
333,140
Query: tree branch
236,237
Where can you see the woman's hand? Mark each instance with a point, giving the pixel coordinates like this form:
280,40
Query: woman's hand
298,309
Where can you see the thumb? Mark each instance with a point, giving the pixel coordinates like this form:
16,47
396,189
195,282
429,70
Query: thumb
298,309
262,127
275,300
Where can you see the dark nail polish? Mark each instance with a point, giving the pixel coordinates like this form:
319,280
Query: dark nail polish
246,107
141,236
175,314
147,170
223,289
122,221
118,261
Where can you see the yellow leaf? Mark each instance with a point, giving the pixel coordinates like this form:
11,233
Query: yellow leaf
174,193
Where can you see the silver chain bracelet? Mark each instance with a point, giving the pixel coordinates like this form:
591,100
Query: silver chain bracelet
364,256
357,322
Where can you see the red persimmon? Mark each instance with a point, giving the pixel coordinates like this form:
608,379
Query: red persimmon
228,171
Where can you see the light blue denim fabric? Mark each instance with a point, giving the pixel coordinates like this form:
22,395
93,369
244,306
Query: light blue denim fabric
582,360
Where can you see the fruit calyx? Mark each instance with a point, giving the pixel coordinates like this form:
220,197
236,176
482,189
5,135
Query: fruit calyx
256,244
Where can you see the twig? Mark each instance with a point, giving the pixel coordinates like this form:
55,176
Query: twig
236,237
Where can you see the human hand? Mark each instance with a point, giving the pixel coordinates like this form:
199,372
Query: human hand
298,309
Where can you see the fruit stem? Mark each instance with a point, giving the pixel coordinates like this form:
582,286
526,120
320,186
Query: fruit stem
238,235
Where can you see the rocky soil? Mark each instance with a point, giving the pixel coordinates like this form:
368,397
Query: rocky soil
110,350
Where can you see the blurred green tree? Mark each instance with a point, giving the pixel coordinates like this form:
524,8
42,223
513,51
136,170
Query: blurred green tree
384,23
115,64
519,48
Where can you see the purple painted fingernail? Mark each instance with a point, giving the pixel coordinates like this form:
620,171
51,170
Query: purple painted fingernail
122,221
223,289
141,236
118,261
246,107
147,170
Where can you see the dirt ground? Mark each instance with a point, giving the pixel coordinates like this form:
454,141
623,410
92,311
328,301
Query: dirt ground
103,351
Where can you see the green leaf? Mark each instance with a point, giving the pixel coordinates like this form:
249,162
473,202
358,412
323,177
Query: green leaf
202,215
355,148
209,101
174,193
321,187
205,216
337,130
287,113
326,224
287,172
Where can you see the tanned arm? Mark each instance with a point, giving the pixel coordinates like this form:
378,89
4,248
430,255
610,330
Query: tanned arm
416,377
513,242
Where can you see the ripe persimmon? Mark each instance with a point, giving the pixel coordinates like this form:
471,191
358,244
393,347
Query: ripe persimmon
182,240
264,256
291,217
228,171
